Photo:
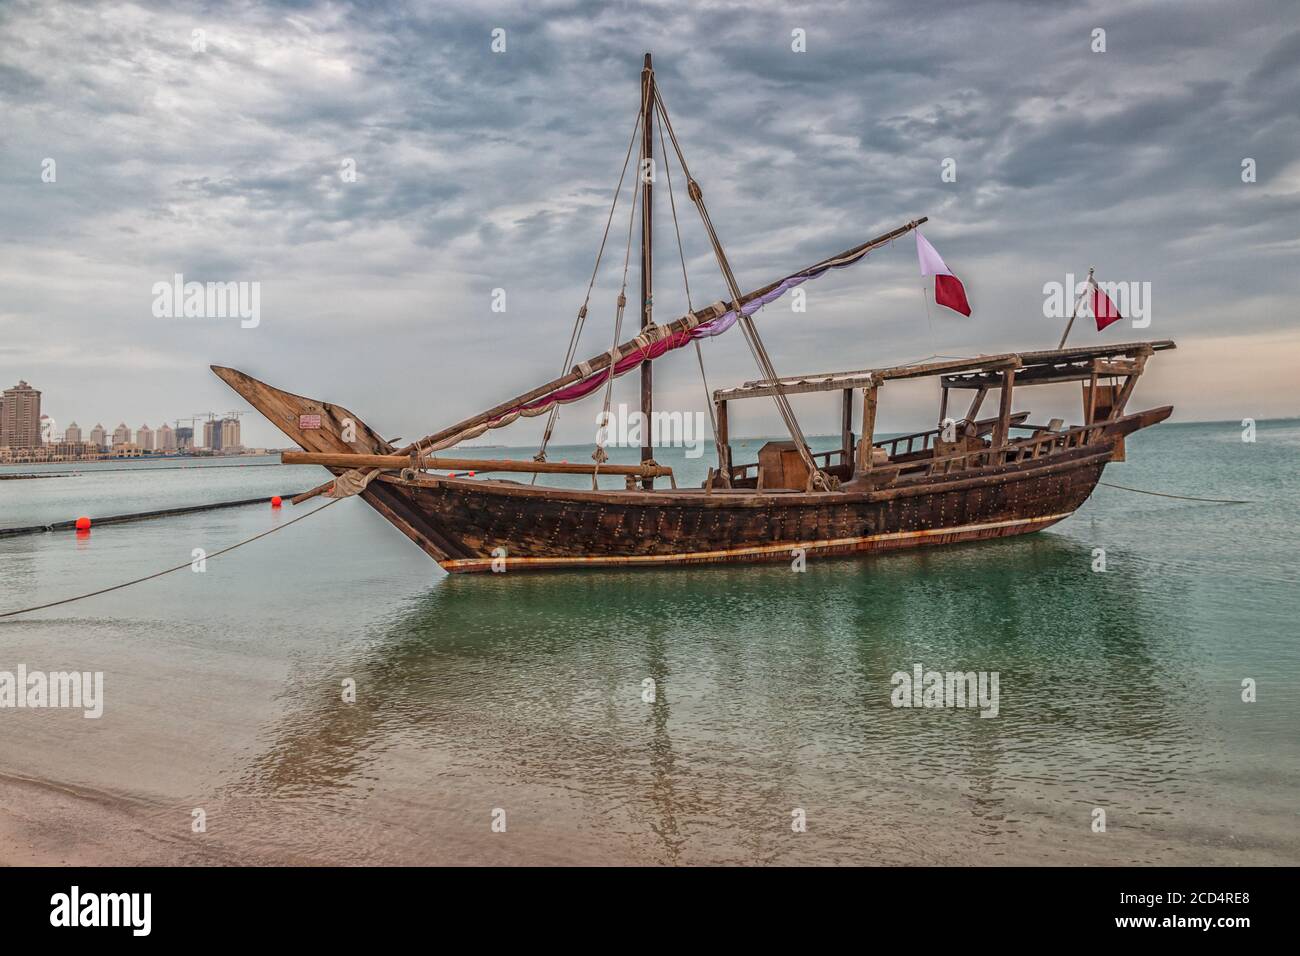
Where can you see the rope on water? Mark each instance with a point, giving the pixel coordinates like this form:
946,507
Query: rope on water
1161,494
158,574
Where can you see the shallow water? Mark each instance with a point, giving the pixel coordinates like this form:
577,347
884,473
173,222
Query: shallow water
1119,691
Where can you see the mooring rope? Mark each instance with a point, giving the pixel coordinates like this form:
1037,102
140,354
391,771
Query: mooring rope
334,501
158,574
1161,494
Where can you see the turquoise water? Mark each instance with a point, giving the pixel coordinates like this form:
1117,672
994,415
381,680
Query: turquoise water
1118,690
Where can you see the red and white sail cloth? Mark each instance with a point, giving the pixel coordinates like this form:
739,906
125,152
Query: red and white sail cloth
948,290
655,342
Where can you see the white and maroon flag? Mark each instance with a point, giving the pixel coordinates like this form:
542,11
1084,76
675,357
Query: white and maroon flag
948,290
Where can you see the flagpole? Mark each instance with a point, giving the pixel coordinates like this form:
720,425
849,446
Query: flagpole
1077,302
928,323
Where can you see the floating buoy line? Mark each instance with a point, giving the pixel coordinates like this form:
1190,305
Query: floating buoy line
158,574
84,523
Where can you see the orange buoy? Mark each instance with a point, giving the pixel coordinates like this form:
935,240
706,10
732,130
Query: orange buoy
276,502
83,523
471,474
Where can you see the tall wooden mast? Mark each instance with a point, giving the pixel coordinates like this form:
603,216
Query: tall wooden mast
647,247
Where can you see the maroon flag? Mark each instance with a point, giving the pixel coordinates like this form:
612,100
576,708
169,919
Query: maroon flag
949,291
1102,308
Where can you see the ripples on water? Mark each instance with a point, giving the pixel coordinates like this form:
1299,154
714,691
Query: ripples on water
524,692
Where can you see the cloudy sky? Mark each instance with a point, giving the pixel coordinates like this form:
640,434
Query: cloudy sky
219,155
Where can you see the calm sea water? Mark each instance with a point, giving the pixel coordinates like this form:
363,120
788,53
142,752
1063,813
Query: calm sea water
524,693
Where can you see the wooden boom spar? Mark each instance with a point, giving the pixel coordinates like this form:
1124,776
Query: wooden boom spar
602,361
396,462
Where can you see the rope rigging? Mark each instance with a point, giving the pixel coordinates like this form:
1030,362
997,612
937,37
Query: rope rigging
600,456
817,478
653,111
686,282
582,311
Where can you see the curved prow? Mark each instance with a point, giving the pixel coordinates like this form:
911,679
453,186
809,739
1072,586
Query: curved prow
309,422
322,427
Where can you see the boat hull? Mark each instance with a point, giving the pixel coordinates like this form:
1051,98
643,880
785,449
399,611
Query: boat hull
473,525
506,526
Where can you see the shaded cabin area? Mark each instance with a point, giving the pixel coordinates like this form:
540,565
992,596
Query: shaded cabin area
1108,375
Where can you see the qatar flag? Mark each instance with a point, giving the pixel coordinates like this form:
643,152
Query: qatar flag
948,289
1103,309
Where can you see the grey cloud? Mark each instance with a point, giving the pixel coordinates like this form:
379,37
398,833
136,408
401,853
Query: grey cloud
478,171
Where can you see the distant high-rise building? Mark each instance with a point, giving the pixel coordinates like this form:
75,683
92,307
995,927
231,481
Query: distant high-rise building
144,437
73,434
121,435
230,440
165,438
20,417
222,434
98,437
184,438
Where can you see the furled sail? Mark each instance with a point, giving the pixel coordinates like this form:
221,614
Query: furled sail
653,342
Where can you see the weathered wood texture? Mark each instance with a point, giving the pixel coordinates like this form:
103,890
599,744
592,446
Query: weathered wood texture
728,526
486,465
460,522
554,528
283,410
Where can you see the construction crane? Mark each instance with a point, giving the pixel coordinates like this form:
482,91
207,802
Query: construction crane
211,440
192,443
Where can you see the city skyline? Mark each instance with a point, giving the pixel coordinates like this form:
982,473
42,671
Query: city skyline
24,424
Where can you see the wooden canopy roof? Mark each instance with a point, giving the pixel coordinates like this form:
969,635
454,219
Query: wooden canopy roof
1032,368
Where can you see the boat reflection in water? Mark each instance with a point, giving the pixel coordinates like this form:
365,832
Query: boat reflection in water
771,694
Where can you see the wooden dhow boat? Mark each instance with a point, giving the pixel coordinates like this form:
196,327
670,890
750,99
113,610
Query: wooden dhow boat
966,479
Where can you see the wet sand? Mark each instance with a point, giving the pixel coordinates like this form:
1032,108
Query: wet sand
45,824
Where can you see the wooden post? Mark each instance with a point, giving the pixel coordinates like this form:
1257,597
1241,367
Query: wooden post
943,406
724,444
1090,408
977,401
1139,363
1003,427
647,249
846,429
868,426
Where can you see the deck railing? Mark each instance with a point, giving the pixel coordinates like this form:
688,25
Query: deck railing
923,441
1042,445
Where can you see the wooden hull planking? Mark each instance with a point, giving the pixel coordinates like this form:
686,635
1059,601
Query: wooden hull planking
464,524
536,529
